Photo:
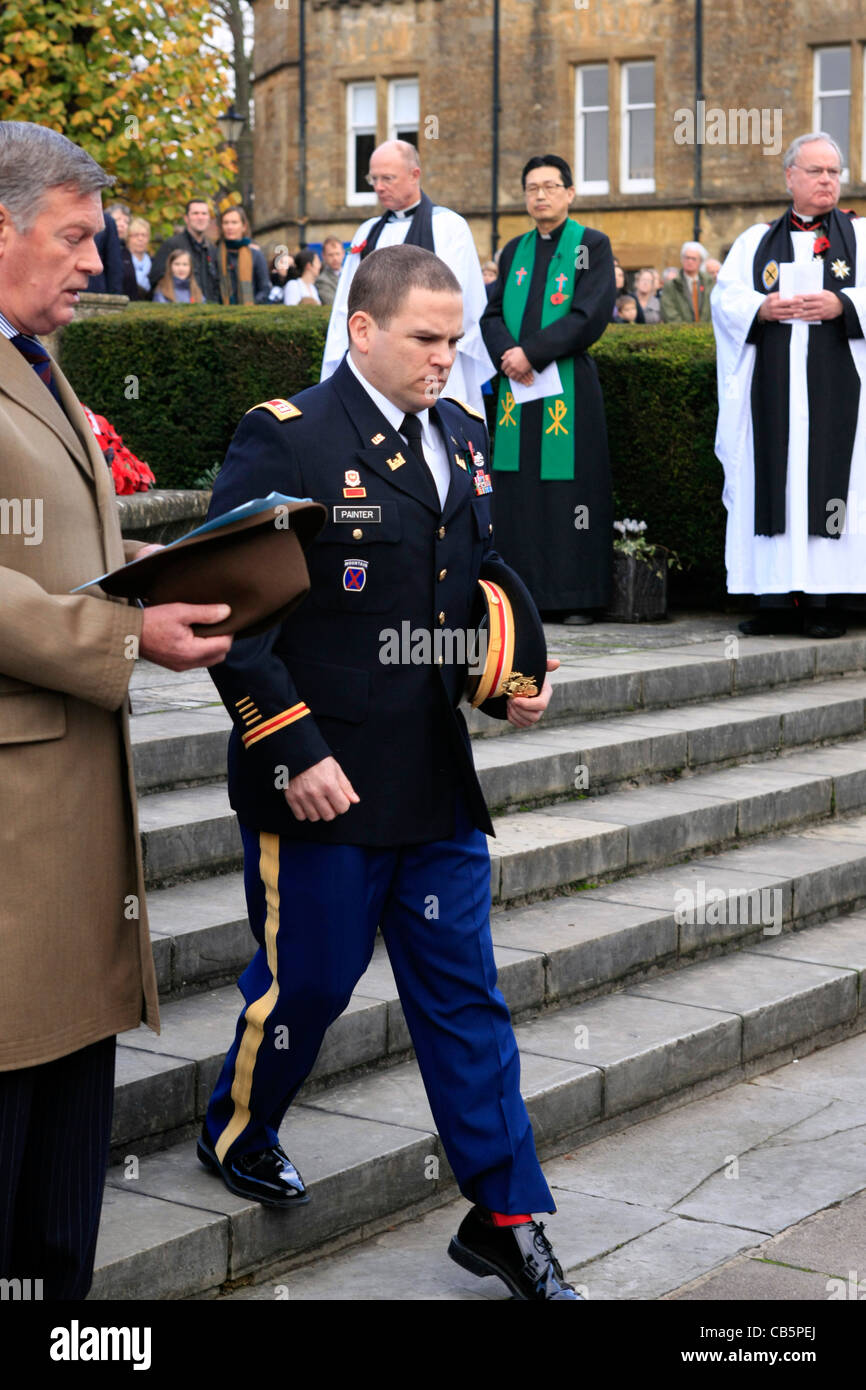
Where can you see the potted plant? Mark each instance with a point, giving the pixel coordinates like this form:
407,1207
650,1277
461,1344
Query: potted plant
640,575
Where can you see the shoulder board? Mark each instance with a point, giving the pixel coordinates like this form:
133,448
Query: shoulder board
280,409
476,415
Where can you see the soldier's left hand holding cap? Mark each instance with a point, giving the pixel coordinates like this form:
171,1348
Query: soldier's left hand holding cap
525,710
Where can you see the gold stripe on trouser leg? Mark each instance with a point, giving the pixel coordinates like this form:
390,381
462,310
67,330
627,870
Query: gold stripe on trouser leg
259,1010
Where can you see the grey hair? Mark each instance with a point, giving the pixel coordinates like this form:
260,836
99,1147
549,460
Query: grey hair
694,246
795,146
34,159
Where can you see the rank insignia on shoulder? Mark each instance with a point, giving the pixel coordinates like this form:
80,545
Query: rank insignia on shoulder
476,415
770,274
280,409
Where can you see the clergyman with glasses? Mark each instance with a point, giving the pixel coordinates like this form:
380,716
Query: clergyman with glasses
409,216
551,484
789,314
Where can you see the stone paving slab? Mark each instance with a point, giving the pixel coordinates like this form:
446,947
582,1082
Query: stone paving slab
837,1072
156,1249
769,1193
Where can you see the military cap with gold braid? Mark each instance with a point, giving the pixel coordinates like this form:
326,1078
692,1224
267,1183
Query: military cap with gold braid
508,623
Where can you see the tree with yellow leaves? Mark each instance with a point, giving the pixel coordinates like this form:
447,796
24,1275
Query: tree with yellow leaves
133,83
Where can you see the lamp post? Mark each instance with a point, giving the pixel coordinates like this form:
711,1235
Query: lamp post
232,126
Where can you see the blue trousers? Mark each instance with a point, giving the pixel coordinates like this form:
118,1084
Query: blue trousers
314,911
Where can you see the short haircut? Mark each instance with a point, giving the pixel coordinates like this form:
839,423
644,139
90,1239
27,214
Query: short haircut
693,248
383,280
552,161
795,146
34,159
332,241
199,198
139,224
624,299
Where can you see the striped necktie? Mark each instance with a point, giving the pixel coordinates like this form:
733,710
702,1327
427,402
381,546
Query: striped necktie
34,353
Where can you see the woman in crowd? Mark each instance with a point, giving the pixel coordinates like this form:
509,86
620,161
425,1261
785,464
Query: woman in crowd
647,296
121,215
178,285
244,275
619,276
138,241
303,290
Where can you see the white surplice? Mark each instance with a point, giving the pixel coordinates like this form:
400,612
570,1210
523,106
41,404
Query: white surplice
454,245
793,561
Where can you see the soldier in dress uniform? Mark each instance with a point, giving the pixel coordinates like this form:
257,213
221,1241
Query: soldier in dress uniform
351,772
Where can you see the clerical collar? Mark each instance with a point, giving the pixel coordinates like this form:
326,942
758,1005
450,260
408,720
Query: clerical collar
403,214
806,224
555,234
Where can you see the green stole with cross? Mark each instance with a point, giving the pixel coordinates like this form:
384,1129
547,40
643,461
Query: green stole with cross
557,440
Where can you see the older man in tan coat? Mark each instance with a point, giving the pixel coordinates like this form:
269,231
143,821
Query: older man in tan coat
75,961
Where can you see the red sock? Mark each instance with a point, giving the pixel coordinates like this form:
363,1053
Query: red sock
499,1219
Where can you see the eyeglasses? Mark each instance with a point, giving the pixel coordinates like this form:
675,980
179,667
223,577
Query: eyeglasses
814,171
533,189
387,179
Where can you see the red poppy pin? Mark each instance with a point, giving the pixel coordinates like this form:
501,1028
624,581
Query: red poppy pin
356,250
821,245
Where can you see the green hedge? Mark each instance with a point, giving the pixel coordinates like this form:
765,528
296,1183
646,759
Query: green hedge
199,368
660,399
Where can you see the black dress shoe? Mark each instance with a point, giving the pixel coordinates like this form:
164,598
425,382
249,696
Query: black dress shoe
521,1256
268,1176
823,630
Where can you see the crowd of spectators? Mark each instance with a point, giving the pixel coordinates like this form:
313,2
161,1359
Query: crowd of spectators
211,262
218,262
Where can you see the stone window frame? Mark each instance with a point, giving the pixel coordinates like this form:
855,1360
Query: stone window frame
589,187
818,95
626,184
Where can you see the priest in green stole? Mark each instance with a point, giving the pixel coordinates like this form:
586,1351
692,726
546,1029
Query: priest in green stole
551,476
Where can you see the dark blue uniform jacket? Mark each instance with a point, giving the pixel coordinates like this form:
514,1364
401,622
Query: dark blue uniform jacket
386,569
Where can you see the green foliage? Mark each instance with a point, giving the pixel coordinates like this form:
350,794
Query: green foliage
175,380
659,385
132,82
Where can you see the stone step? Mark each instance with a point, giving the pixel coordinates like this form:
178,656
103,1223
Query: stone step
369,1150
191,832
564,950
186,745
171,749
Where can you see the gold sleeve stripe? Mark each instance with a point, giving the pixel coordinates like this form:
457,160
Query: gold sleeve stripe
279,721
246,701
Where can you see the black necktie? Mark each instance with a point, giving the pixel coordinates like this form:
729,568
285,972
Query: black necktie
33,352
411,431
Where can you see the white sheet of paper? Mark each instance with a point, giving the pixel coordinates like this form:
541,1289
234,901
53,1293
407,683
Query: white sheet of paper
545,383
800,277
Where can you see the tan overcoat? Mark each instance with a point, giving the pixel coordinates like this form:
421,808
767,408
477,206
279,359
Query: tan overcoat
75,958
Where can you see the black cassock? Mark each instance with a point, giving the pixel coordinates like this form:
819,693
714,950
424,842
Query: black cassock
565,566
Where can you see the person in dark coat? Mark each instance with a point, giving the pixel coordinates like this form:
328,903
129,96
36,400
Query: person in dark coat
552,492
193,239
244,277
351,771
110,278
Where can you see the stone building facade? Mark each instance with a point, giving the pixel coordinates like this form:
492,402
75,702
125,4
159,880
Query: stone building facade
608,84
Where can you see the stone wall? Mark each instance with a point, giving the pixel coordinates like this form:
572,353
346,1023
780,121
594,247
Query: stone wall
757,58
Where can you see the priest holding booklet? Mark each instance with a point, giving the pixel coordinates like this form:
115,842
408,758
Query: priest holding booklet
789,312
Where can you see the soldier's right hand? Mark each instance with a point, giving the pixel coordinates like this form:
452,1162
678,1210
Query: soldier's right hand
168,639
321,792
